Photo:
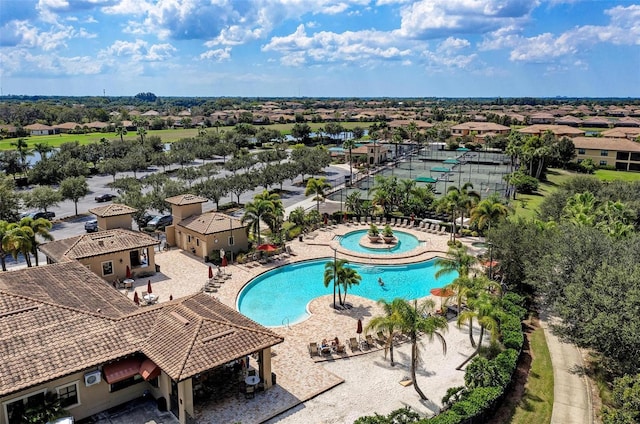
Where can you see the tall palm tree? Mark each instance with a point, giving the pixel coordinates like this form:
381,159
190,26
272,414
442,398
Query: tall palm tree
39,227
17,240
457,260
489,211
274,219
317,186
350,144
414,318
385,323
22,148
332,271
42,149
253,214
348,277
141,132
486,309
121,132
470,289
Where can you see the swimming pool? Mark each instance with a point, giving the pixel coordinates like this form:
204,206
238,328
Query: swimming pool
406,242
280,296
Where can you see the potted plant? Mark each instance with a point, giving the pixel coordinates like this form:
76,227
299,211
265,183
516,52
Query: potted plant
374,233
387,234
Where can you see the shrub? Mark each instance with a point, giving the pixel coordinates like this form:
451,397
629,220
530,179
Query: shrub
477,401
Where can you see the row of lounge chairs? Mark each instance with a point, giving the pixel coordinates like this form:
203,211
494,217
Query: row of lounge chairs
316,349
432,228
381,221
259,258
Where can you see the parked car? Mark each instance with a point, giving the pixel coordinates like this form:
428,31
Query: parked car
144,220
91,226
39,214
159,222
105,197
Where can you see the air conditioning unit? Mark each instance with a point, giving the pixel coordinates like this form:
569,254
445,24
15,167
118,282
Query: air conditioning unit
91,378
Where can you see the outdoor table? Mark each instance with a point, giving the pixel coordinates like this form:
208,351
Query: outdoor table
150,298
252,380
128,283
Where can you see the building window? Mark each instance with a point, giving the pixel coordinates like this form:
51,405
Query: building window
230,240
126,383
581,151
188,239
107,268
603,162
197,242
68,396
604,153
14,409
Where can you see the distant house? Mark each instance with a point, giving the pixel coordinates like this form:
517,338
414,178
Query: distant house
572,121
558,130
67,127
371,154
66,331
479,129
8,130
41,129
107,253
541,118
631,133
204,234
115,215
621,153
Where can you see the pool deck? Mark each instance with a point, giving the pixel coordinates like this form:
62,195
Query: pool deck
299,376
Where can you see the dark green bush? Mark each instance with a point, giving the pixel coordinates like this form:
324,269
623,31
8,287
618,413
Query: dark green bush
447,417
477,401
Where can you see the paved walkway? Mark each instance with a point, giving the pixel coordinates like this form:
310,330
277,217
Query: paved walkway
571,391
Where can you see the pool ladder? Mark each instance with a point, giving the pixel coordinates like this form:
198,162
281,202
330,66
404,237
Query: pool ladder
287,322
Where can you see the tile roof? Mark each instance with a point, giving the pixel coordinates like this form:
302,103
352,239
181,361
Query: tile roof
556,129
211,223
606,143
95,244
185,199
114,209
60,319
480,126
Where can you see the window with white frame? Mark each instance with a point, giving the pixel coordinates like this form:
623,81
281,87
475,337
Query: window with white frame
107,268
68,395
603,162
14,409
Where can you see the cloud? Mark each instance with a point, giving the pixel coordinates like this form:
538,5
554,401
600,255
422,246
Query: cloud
25,35
219,55
360,47
23,63
441,18
139,51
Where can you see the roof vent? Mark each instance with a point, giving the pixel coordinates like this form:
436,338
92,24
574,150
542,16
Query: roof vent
218,336
180,318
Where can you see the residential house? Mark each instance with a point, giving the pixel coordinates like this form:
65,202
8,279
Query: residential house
558,130
372,154
109,253
204,234
67,331
41,129
480,130
114,215
621,153
541,118
632,133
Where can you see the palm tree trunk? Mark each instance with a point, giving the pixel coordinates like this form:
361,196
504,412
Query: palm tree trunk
473,342
3,262
475,352
35,254
27,258
414,364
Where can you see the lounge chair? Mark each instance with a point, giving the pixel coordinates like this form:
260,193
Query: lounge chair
313,349
381,338
341,348
353,344
370,341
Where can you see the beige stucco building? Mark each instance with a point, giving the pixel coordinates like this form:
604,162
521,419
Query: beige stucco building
621,153
68,332
114,215
204,234
480,130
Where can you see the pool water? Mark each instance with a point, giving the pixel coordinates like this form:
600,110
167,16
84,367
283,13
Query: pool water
405,243
280,296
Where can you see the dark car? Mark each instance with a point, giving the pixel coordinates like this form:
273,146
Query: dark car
160,221
39,214
105,197
144,220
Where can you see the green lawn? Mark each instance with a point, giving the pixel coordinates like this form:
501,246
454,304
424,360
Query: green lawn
607,175
536,404
555,178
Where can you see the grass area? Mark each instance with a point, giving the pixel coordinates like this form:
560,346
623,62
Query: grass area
526,205
536,404
608,175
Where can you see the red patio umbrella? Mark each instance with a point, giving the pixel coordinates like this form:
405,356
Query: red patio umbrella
224,261
210,272
149,287
344,218
170,297
326,220
136,299
359,327
128,272
267,247
442,292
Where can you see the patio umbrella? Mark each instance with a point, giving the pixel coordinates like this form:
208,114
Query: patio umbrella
210,272
224,261
344,218
442,292
128,272
149,287
359,328
267,247
170,297
326,220
136,299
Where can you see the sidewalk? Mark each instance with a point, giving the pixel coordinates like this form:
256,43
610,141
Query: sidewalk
571,392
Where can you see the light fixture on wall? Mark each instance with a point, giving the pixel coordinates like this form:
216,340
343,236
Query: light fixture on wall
120,260
215,241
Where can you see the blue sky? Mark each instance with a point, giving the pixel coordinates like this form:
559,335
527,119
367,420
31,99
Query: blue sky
321,48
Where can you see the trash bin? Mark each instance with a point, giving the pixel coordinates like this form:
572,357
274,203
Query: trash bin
162,404
157,268
273,378
299,238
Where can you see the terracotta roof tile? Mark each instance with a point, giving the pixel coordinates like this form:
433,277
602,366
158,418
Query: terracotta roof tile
185,199
114,209
95,244
606,143
211,223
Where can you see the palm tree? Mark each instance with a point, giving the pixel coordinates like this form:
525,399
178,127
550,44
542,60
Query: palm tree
471,289
141,132
413,319
121,131
332,271
16,240
317,186
489,211
39,227
457,260
348,277
253,214
273,220
486,309
42,149
385,323
23,151
350,144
